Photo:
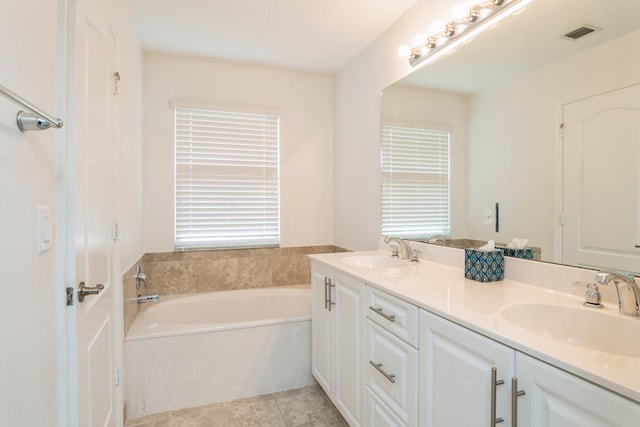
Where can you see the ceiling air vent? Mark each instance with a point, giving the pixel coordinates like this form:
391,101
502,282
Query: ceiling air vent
581,32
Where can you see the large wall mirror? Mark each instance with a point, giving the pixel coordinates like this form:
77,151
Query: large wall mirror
546,126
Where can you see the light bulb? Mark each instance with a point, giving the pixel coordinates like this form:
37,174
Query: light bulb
404,51
420,39
437,27
459,11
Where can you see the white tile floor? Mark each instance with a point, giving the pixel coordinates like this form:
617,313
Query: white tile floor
307,406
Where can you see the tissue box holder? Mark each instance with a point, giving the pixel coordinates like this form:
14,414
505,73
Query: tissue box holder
524,253
484,266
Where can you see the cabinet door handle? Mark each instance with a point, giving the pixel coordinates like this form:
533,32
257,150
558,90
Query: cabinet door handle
389,317
329,301
494,383
515,393
326,292
378,366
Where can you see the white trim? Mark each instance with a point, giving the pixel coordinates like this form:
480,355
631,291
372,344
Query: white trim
194,104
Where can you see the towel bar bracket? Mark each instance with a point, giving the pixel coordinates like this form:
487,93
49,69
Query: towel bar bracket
36,119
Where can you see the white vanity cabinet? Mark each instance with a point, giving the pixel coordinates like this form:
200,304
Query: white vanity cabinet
391,361
337,339
457,369
555,398
456,383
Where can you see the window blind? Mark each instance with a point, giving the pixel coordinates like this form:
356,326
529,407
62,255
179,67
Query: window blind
415,182
226,179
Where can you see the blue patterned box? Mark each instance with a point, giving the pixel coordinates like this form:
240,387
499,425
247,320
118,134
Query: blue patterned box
525,253
484,266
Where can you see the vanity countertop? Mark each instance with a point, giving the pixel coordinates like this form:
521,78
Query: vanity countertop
444,291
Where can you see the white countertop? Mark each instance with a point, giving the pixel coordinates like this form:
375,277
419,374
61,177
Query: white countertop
444,291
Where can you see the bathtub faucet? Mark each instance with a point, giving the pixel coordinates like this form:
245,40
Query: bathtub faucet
147,298
140,277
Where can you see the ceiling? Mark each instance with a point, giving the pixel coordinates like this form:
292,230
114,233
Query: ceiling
313,35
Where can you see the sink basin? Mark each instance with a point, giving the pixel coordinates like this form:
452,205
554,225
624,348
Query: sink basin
374,261
584,327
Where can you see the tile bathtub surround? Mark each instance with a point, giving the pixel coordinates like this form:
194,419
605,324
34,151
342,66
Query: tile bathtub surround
307,406
129,295
188,272
205,271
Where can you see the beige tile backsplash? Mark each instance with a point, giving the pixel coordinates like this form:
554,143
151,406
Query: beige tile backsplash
173,273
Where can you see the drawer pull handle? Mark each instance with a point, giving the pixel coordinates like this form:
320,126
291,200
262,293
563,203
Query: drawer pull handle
378,366
389,317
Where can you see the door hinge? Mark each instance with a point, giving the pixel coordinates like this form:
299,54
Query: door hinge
115,232
116,78
118,375
70,291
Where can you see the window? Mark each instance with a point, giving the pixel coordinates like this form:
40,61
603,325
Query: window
415,182
226,179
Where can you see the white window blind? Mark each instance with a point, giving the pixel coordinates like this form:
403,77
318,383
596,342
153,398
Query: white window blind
226,179
415,182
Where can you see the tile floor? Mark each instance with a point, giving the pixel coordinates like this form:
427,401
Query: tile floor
307,406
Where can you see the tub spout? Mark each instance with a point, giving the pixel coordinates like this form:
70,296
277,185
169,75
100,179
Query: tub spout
147,298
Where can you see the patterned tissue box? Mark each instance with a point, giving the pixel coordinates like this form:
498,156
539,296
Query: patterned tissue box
525,253
484,266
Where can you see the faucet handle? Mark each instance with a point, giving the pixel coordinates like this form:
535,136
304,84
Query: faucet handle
394,251
415,255
592,297
602,278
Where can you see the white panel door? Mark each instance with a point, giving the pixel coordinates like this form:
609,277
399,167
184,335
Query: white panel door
93,204
601,194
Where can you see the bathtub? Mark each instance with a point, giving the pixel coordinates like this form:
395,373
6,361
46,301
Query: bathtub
198,349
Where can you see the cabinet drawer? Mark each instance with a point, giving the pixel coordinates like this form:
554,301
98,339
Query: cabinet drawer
377,413
395,315
392,372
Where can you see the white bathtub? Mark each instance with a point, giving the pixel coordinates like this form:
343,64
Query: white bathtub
198,349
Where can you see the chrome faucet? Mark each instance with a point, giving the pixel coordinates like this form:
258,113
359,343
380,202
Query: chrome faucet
627,288
405,248
438,238
140,277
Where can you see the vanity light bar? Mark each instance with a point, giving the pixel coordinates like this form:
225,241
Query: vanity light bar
477,18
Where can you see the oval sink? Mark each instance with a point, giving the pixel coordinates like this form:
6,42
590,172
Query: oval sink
584,327
374,261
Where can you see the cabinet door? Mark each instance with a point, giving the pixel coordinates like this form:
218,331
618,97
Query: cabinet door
555,398
455,375
320,332
348,295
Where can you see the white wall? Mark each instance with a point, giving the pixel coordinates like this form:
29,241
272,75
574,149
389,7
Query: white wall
357,125
129,211
525,185
410,106
305,103
28,360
